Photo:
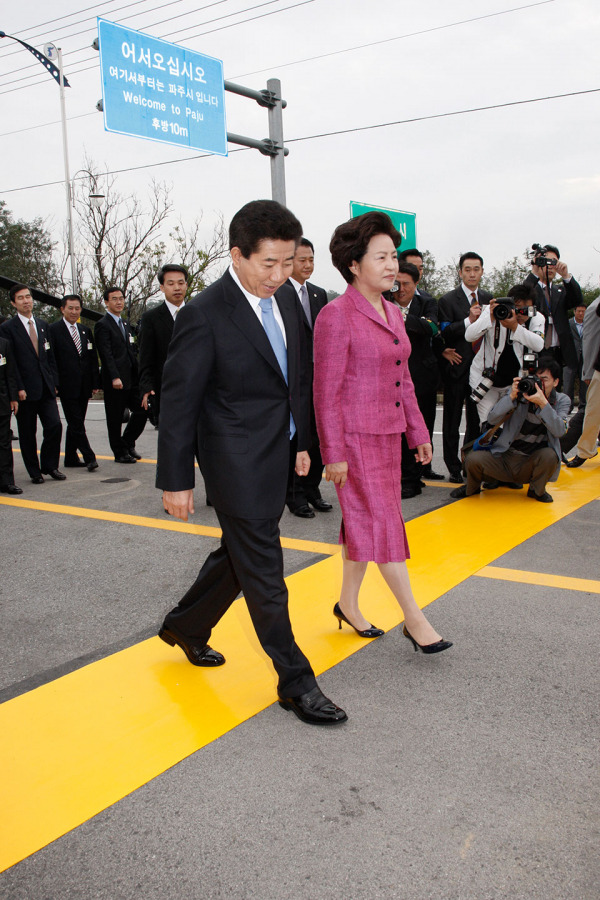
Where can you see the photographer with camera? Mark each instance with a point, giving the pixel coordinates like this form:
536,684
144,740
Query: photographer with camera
528,449
509,327
554,301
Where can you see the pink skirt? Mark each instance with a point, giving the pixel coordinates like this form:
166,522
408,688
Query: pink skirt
372,524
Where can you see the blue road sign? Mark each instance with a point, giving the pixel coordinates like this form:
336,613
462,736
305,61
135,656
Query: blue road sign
160,91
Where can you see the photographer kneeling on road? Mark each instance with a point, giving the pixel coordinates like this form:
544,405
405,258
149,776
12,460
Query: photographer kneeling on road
509,327
528,449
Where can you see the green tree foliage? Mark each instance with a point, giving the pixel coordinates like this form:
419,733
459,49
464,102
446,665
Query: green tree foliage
27,255
501,278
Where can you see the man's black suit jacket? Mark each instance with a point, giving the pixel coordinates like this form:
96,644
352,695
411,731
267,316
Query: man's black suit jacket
422,362
453,309
8,381
563,297
117,354
224,391
577,340
317,299
33,372
156,330
78,374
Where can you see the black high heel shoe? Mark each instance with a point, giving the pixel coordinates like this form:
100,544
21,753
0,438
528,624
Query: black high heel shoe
371,632
436,647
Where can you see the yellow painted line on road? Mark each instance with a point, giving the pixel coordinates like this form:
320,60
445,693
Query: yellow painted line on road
167,524
73,747
520,576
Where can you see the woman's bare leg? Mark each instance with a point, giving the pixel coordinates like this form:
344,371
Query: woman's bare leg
396,576
352,578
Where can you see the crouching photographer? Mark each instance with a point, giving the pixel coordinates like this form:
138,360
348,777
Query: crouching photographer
528,448
505,330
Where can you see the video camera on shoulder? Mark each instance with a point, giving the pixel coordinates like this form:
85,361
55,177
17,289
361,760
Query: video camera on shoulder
527,384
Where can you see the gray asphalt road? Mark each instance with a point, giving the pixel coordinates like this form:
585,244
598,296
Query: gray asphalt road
470,775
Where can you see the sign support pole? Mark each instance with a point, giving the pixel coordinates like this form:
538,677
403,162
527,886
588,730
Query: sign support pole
276,135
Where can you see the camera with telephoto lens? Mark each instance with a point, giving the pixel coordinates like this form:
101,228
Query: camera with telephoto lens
487,380
504,308
539,258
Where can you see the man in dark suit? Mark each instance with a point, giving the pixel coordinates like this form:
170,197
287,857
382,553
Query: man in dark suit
421,323
115,344
456,310
415,258
304,492
570,373
554,302
8,405
37,379
78,377
235,387
156,328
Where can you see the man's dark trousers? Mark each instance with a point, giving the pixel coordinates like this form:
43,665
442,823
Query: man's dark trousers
249,560
75,409
47,411
115,403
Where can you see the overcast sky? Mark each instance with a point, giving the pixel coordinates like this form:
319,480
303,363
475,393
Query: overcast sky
492,181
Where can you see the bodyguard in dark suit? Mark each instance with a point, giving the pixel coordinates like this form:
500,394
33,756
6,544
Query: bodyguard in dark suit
456,309
235,387
303,491
8,405
156,328
78,377
421,323
115,344
37,378
554,302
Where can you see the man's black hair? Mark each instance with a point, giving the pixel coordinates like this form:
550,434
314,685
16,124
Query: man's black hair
304,242
110,290
262,220
520,292
14,289
551,249
68,297
549,364
409,269
469,255
171,267
402,256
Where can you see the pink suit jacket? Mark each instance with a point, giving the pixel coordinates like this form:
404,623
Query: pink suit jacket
361,380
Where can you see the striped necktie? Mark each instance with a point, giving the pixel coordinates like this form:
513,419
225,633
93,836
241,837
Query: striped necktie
76,338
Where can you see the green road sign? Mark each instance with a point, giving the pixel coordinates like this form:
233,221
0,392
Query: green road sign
405,222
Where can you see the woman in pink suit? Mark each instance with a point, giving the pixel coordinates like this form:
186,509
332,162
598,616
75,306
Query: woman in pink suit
364,400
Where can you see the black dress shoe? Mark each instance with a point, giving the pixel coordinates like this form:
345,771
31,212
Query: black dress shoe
456,478
315,708
436,647
10,489
198,656
577,461
303,512
410,490
541,498
321,505
56,474
370,632
91,465
38,479
74,465
491,485
133,452
430,475
125,459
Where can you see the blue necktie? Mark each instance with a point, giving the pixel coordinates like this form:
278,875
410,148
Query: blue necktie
277,343
122,330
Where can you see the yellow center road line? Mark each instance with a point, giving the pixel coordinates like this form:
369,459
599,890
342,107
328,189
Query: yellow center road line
73,747
162,524
521,576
